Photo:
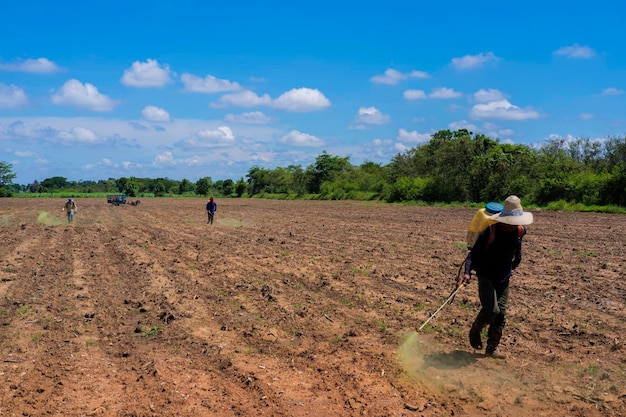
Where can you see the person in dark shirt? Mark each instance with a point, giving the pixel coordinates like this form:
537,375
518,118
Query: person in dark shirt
494,256
211,208
70,208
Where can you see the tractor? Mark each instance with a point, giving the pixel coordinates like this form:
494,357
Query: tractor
116,199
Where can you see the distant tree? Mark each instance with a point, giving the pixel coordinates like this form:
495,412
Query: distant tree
6,174
228,187
131,187
240,187
53,184
258,180
203,186
6,178
325,168
34,187
159,187
185,186
120,183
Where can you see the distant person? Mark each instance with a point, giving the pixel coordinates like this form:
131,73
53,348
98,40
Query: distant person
70,208
211,208
494,256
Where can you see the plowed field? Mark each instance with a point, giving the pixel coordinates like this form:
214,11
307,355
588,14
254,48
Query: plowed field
299,308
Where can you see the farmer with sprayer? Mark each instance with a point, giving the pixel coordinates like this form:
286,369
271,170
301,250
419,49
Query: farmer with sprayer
70,208
211,208
495,254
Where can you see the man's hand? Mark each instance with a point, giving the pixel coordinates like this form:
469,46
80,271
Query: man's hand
465,279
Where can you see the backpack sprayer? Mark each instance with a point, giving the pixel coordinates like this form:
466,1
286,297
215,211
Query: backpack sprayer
479,223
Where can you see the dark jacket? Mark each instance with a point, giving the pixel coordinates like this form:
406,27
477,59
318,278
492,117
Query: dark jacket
211,207
496,260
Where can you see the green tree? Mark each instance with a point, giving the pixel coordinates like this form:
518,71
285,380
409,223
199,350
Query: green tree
131,187
6,178
228,187
34,187
120,183
185,186
53,184
240,187
258,180
6,174
325,168
159,187
203,185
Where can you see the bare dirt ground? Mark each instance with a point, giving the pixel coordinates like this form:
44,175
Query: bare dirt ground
299,308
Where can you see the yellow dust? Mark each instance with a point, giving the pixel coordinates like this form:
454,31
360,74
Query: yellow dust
466,374
4,220
49,219
230,222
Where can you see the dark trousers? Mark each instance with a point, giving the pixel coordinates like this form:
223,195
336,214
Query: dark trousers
493,303
210,220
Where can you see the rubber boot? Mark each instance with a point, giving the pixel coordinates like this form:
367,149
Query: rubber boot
494,334
474,334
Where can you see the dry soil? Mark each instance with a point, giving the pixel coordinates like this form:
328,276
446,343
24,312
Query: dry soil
299,308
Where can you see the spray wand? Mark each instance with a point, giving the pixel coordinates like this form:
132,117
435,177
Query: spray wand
449,300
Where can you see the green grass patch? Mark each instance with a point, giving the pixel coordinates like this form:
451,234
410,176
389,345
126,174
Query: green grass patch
579,207
152,331
359,271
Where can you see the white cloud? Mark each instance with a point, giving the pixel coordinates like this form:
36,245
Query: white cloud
75,93
444,93
474,61
165,157
413,137
296,138
576,51
208,138
414,95
147,74
371,116
439,93
12,97
485,96
294,100
155,114
393,77
463,124
37,66
586,116
504,110
252,118
245,98
208,84
612,92
38,132
302,100
222,133
81,134
25,154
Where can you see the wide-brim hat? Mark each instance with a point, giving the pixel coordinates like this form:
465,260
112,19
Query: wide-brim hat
513,213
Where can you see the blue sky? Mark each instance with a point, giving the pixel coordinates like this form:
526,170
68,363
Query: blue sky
188,89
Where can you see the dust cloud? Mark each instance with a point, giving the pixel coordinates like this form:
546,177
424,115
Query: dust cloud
49,219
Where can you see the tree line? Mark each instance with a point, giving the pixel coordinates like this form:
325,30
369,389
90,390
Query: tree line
453,166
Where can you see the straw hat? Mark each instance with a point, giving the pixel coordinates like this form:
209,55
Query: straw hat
513,213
